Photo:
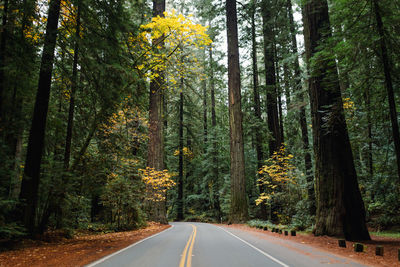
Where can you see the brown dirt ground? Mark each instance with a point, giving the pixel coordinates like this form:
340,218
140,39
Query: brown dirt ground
330,244
74,252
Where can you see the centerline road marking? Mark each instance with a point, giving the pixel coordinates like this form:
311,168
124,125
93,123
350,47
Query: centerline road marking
189,245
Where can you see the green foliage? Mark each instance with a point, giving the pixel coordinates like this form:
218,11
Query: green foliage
8,228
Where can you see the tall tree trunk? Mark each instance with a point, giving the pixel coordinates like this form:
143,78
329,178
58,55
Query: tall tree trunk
3,43
31,178
302,114
59,204
187,164
257,105
68,139
287,77
370,166
340,208
270,78
155,157
205,133
388,84
238,211
215,171
180,178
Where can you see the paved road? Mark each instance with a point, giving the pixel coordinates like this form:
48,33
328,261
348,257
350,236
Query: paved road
206,245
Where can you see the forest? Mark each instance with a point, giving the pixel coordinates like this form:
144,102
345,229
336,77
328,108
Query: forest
114,113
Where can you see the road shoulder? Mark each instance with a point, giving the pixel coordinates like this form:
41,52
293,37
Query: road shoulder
330,245
78,251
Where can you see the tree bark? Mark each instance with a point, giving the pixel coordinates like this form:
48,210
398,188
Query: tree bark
340,208
205,133
388,84
302,114
215,171
238,210
180,178
31,178
270,79
3,43
257,106
155,157
74,79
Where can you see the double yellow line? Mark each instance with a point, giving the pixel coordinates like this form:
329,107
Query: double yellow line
185,252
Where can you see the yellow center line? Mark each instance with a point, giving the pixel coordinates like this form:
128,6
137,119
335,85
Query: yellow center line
190,243
189,260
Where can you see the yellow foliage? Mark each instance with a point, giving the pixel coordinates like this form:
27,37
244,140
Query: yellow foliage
348,104
277,172
162,40
157,183
186,153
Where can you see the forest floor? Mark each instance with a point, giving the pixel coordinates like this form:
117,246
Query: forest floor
330,244
77,251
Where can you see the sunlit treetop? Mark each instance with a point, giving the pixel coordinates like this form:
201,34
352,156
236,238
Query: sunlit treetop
163,39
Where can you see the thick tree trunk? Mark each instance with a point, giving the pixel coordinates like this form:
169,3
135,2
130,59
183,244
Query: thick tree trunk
155,157
302,114
238,211
270,78
340,208
31,178
257,106
180,178
388,84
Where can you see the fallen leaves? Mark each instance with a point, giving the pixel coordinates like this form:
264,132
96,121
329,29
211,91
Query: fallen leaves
74,252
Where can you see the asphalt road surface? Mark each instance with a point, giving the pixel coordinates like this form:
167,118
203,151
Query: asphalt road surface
207,245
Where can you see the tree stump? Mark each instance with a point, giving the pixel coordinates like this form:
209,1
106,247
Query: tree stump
293,233
358,247
379,251
286,233
342,243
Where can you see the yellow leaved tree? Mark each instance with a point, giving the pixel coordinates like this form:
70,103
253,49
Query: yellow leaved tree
161,45
278,171
157,183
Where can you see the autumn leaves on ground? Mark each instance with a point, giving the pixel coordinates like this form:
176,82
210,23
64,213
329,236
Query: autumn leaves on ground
77,251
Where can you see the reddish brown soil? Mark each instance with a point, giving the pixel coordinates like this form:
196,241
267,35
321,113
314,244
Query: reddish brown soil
74,252
330,244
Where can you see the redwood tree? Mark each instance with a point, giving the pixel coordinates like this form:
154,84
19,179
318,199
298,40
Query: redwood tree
270,78
155,157
302,113
31,178
238,210
340,208
257,105
388,84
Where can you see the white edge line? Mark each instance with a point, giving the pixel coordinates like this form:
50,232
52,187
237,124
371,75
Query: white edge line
259,250
128,247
